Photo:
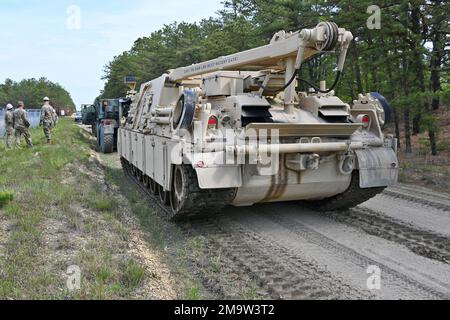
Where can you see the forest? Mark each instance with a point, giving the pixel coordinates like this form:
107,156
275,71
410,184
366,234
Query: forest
401,49
32,91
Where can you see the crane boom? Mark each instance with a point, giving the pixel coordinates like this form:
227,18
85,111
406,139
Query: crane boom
298,46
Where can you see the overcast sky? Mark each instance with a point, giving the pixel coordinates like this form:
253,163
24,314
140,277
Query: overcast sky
69,42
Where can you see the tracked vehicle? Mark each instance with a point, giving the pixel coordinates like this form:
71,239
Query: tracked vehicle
234,131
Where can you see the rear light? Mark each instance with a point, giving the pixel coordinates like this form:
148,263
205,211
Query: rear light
364,119
108,122
213,123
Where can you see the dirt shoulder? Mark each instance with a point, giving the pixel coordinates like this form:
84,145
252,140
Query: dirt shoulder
420,167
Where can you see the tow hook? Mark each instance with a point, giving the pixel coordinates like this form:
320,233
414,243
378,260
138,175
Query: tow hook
347,163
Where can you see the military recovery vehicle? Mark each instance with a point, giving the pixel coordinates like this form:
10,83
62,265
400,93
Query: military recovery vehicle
234,131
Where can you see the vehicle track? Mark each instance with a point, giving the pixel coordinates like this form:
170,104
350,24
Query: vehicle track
391,276
414,190
275,269
412,212
422,242
419,196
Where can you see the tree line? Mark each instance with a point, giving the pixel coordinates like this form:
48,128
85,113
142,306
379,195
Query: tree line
32,91
401,49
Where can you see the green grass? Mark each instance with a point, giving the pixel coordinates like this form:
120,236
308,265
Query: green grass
33,193
34,175
133,275
193,294
104,204
251,294
156,228
6,196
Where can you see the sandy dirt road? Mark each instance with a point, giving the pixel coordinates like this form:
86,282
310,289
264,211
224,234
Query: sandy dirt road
339,249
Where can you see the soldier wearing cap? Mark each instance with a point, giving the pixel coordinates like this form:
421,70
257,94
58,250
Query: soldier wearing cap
9,125
22,125
47,119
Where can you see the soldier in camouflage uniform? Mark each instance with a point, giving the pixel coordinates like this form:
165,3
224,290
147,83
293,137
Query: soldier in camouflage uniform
9,125
22,125
47,119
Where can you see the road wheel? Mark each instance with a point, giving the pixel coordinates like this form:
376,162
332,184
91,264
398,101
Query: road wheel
179,193
164,196
188,200
108,144
154,188
146,181
133,170
129,168
139,175
125,165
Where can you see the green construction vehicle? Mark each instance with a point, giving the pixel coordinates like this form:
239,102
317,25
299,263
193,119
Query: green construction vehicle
88,115
107,122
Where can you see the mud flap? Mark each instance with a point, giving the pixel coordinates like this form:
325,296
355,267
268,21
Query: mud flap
378,167
219,178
